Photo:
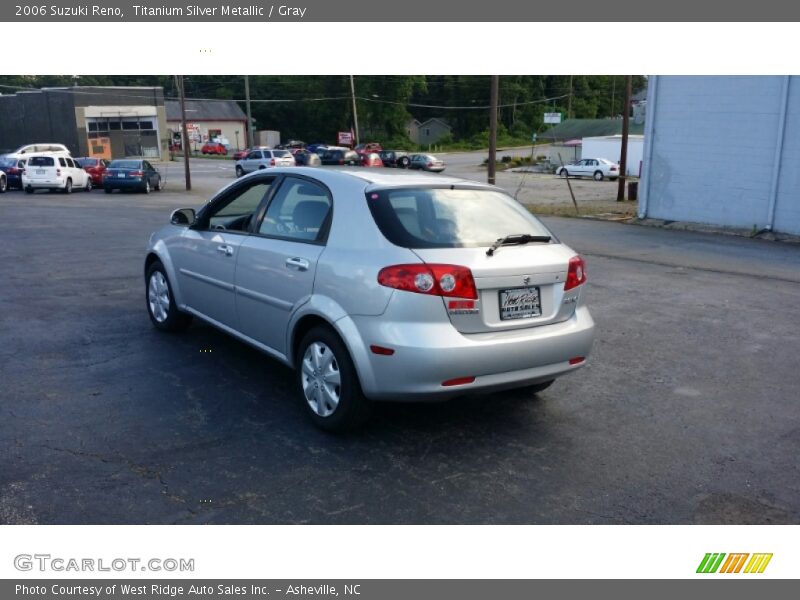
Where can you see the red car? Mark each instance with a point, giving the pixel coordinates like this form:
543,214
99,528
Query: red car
240,154
214,148
371,160
96,167
368,147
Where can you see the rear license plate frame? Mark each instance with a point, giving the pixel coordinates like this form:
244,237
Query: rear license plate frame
530,309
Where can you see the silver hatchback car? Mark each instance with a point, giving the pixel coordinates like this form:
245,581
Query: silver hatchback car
376,285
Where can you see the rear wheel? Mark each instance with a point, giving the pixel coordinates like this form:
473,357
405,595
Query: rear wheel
3,185
329,386
158,184
403,162
108,190
239,171
161,307
88,186
29,190
564,173
598,176
68,187
146,189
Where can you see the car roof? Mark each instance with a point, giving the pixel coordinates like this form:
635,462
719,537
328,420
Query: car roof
374,178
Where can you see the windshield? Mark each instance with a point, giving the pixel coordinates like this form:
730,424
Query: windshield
446,218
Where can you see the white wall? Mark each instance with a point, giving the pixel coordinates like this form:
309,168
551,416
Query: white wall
725,150
610,147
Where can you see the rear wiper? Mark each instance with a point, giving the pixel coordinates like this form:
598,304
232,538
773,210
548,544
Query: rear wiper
516,239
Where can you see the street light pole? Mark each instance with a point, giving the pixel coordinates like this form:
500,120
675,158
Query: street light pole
248,136
623,152
185,132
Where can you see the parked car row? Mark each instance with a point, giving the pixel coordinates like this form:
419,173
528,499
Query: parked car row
51,167
364,155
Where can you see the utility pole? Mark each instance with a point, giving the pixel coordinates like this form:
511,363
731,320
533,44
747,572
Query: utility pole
248,136
493,128
185,132
569,101
613,95
623,153
355,112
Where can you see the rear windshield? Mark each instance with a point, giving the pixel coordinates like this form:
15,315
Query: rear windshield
86,162
280,153
125,164
41,161
7,162
446,218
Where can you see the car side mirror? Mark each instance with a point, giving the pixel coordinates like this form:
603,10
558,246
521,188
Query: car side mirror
183,216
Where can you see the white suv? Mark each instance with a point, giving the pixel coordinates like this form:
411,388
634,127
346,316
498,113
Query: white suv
264,158
54,172
40,148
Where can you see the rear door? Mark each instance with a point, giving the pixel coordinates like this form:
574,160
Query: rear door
277,264
44,170
205,255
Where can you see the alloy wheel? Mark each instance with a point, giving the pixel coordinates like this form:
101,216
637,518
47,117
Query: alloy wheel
321,379
158,296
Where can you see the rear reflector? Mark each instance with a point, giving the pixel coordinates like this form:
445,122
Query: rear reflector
458,381
381,350
577,360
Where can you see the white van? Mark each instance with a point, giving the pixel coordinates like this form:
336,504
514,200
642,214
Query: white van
54,172
57,149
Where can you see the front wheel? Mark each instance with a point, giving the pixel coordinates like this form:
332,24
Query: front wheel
239,171
403,163
161,307
598,176
88,186
564,173
329,386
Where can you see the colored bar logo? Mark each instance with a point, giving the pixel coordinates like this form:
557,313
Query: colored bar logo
734,563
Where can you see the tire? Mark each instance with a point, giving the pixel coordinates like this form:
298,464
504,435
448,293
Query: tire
29,190
403,163
538,387
160,301
68,186
598,176
88,186
146,188
3,185
564,173
322,359
239,171
261,167
158,184
107,190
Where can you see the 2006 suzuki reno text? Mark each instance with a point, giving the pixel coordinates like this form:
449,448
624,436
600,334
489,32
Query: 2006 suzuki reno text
376,285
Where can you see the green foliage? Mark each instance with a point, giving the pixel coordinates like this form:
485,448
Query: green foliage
314,107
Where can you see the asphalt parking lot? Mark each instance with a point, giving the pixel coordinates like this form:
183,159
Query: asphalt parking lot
687,412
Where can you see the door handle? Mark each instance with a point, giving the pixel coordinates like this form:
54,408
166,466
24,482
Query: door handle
225,249
299,264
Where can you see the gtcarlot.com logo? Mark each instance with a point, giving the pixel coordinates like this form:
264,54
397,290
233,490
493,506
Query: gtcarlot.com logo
46,562
734,563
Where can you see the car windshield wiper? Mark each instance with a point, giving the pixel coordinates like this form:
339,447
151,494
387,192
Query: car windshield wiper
516,239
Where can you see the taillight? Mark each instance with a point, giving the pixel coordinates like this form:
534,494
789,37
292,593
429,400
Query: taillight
58,172
341,161
13,171
432,279
613,169
430,165
137,173
576,275
272,162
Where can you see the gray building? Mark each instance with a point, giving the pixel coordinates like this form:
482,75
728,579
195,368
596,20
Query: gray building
107,122
428,132
723,150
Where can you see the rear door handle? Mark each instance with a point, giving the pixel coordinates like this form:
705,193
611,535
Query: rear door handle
299,264
225,249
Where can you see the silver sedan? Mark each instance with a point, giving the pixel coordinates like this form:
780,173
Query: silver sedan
376,285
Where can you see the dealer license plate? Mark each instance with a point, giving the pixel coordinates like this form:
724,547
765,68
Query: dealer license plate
40,171
520,303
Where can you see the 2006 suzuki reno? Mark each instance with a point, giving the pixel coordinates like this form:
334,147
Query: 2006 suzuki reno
376,285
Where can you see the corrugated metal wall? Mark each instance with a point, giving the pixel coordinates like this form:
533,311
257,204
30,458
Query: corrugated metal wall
714,143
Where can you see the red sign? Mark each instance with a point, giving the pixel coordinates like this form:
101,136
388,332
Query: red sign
345,138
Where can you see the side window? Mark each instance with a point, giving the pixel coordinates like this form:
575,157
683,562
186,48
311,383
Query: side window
71,163
235,212
298,211
148,166
62,162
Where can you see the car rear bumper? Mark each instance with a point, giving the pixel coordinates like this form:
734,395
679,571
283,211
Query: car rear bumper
427,354
124,184
44,184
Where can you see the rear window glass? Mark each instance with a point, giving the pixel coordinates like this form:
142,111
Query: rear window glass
446,218
8,162
86,162
41,161
125,164
280,153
